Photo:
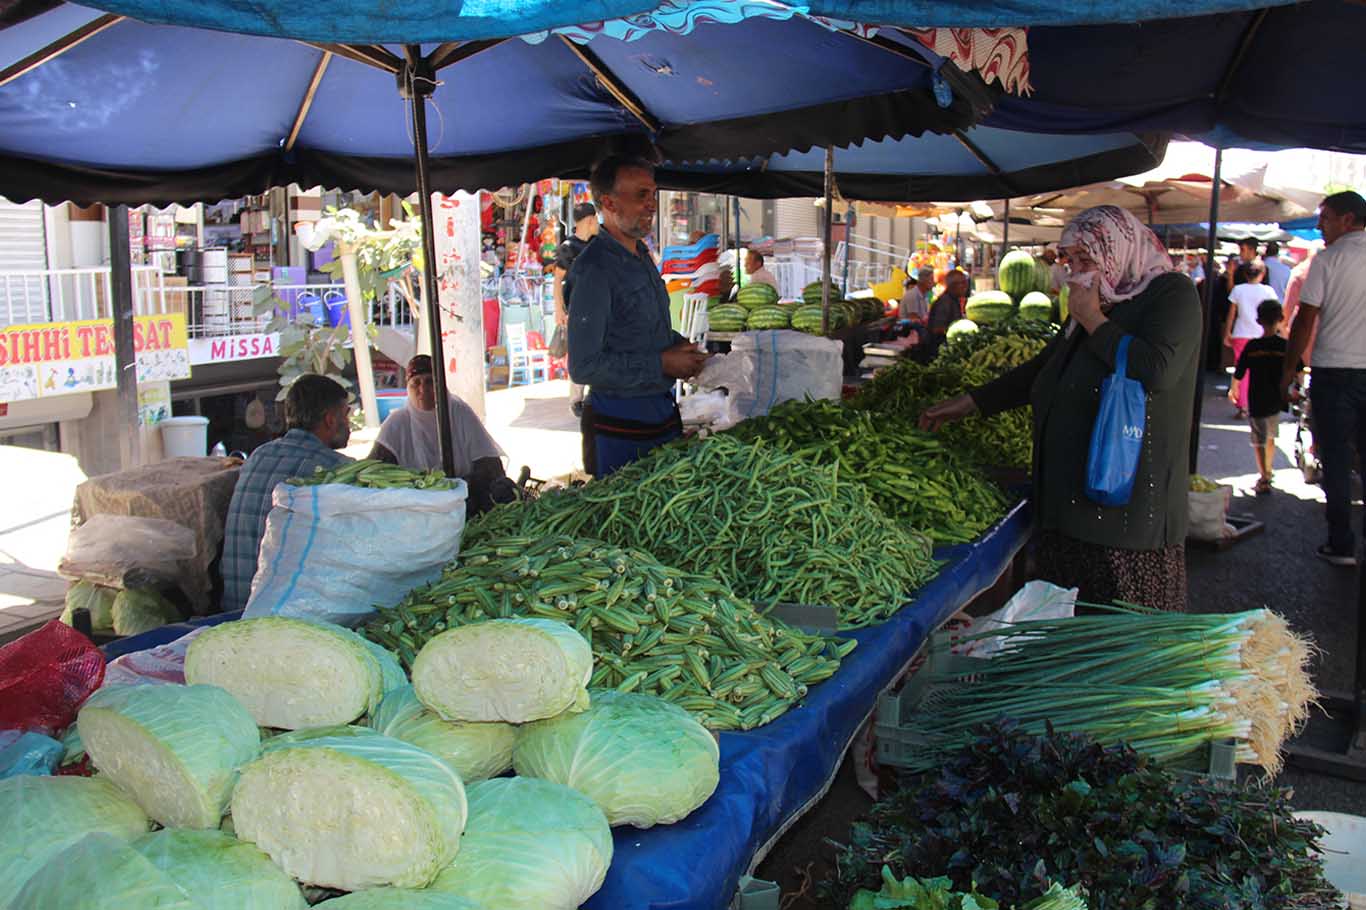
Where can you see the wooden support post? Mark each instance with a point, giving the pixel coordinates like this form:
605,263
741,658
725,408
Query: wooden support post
125,358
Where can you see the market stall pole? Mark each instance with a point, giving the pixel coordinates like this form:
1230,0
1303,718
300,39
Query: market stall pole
1207,302
828,232
417,80
125,358
1005,227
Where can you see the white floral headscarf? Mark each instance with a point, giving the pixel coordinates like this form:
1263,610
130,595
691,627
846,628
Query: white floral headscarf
1129,256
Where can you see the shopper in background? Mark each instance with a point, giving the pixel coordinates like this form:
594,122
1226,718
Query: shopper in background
410,437
944,312
317,415
1057,272
1292,303
1123,284
1334,297
1247,255
1241,325
621,340
1262,362
1277,272
585,229
756,273
915,303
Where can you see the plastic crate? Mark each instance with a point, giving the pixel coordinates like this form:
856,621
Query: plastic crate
756,894
896,744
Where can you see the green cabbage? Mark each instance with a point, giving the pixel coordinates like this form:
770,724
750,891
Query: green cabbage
42,816
513,670
174,749
643,760
290,673
137,611
348,808
400,899
391,671
530,845
98,599
203,870
477,751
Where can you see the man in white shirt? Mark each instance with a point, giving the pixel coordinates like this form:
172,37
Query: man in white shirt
1277,272
915,303
755,271
1334,295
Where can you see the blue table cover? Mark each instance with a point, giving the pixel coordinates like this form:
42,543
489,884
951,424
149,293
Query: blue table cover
769,776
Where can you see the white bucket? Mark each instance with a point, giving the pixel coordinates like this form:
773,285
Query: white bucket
185,436
1344,849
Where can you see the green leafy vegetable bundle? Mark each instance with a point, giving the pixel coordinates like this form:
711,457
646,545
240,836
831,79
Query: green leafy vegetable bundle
1010,813
913,475
653,629
379,475
773,526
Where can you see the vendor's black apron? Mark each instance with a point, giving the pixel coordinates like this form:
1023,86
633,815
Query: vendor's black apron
617,431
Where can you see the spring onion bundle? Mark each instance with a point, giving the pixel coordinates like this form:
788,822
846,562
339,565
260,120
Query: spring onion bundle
654,629
773,526
376,474
1167,684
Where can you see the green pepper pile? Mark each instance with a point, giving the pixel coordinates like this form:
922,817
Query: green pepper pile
777,527
654,629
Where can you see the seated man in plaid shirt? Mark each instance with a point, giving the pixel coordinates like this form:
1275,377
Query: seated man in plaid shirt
316,412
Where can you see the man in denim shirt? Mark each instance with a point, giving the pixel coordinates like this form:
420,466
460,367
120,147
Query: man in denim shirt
621,340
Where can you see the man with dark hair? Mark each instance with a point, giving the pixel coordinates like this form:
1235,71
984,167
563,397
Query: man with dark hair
755,273
585,229
1247,253
1334,295
317,415
944,312
1277,272
621,340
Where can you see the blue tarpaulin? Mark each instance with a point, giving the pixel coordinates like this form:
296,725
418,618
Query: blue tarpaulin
771,775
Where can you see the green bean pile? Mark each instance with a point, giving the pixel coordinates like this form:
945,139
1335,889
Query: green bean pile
775,527
684,638
379,475
906,389
913,475
998,346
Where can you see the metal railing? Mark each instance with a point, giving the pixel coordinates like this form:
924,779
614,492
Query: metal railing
73,295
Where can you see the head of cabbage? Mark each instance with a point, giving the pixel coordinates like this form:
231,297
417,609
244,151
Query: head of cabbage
171,868
477,751
643,760
529,844
512,670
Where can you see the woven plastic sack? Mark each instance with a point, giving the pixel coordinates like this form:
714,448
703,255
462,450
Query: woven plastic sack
766,368
44,678
1207,514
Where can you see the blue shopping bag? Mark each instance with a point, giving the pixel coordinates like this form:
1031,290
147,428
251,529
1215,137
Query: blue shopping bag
1117,437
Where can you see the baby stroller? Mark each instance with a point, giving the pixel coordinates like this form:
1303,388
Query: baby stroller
1306,459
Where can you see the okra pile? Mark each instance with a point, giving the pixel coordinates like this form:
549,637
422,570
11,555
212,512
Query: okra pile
913,475
654,629
376,474
776,527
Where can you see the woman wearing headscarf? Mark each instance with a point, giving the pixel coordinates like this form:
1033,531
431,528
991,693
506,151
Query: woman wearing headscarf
1122,283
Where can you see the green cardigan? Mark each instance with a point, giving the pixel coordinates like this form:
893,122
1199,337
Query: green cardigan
1063,385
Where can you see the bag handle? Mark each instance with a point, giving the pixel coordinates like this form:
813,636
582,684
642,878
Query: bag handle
1122,357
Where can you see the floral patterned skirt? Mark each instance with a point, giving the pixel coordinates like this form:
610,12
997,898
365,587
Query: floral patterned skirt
1153,578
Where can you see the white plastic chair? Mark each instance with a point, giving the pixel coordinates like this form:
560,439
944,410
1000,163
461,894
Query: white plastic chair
522,359
693,326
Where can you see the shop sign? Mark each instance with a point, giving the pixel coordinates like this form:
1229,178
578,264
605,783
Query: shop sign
59,358
230,348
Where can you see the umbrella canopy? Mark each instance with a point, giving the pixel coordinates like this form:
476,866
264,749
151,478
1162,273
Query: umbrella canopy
976,163
95,107
1159,202
1283,76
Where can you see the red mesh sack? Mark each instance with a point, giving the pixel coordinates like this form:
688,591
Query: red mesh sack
45,677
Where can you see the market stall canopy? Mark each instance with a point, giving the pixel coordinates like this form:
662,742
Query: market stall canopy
421,21
96,107
1235,231
975,163
1285,76
1162,202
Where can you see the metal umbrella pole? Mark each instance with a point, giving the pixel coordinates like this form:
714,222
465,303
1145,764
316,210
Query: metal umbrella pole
1208,304
735,240
829,225
418,80
1005,228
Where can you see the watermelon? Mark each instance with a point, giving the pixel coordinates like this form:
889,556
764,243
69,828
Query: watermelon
1016,275
961,327
1043,277
812,292
768,317
757,295
1037,305
989,306
1062,304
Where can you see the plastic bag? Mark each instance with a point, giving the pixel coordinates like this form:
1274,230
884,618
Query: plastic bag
1036,600
44,678
109,547
28,753
1207,514
1117,437
142,610
764,369
161,664
334,551
559,343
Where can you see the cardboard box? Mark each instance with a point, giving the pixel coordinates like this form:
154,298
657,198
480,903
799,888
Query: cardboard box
305,208
498,365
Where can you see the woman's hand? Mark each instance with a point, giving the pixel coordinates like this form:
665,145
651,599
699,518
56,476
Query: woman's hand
956,408
1083,305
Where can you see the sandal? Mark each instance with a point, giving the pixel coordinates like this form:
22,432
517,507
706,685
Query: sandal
1263,487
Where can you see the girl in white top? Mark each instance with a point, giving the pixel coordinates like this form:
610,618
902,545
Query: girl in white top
1248,293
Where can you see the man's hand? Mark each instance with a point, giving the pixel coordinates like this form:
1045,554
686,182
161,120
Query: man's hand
1288,378
682,360
561,317
956,408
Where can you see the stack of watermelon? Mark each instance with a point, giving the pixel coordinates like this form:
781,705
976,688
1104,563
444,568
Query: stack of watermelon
768,317
812,293
757,295
807,318
727,317
1037,305
986,307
